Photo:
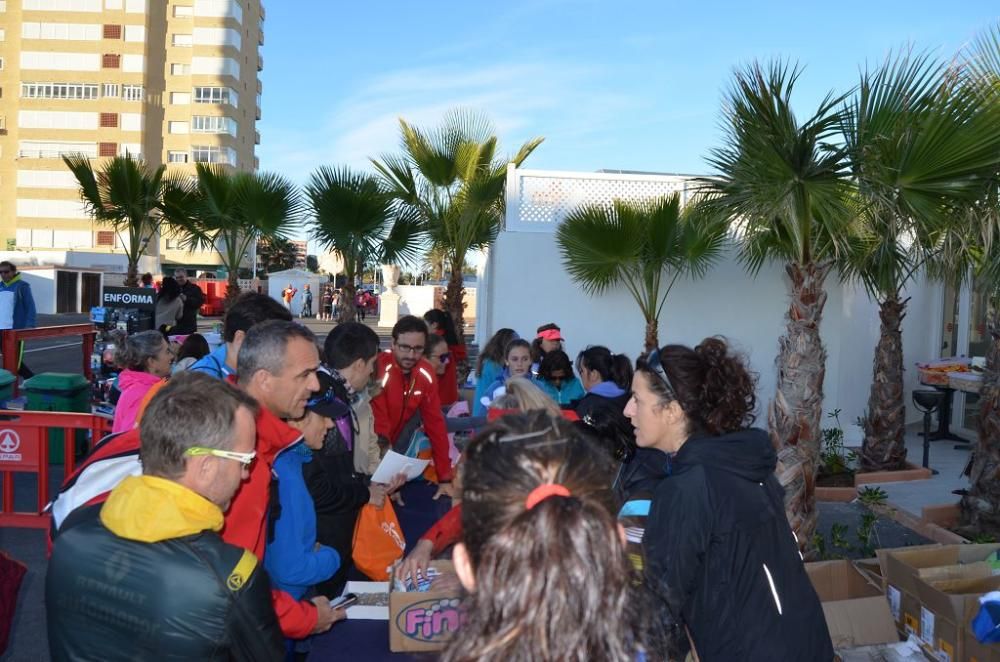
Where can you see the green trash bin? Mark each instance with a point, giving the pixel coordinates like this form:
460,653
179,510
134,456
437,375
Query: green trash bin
7,379
57,391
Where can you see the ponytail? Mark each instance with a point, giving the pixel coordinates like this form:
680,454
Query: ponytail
553,581
615,368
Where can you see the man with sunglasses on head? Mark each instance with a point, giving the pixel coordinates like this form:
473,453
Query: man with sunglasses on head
146,575
409,398
15,296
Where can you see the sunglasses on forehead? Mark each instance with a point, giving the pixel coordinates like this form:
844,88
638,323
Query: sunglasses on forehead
656,366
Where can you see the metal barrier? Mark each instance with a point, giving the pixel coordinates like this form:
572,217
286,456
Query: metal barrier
12,337
24,448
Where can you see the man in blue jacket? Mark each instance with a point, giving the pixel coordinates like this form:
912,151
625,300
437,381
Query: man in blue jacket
24,309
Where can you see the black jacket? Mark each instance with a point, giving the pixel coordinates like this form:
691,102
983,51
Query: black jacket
338,493
720,552
190,598
194,298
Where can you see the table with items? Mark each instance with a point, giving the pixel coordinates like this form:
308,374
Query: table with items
949,375
369,639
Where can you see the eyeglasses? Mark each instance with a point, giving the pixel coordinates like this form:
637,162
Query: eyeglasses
444,358
653,361
410,349
246,459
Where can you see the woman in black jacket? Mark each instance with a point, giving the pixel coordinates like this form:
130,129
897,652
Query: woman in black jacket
719,550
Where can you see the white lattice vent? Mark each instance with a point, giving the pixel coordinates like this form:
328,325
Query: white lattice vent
538,200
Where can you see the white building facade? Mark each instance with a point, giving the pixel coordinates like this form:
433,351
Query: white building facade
524,285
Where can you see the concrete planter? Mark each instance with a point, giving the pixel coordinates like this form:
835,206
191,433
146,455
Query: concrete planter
838,494
933,522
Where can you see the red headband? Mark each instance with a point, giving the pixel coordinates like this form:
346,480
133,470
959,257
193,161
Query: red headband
543,492
550,334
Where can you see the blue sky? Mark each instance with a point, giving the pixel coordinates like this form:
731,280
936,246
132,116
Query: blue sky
630,85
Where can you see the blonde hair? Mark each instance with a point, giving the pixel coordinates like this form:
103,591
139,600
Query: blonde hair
522,394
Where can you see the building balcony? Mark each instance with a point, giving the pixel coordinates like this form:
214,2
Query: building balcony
260,86
256,163
258,112
260,61
256,137
260,38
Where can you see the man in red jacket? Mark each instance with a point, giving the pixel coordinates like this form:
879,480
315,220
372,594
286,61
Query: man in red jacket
409,389
277,366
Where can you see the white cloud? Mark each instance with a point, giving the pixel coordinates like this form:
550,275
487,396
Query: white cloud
562,101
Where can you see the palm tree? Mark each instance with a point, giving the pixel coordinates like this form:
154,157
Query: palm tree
359,218
785,191
920,146
980,507
125,194
230,211
453,179
275,254
634,244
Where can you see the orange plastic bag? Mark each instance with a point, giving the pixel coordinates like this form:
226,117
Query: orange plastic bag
378,541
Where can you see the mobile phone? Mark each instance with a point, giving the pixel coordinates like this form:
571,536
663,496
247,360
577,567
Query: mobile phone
344,601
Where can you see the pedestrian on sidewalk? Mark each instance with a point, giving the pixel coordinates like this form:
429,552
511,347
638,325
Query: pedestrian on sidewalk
307,302
17,309
194,298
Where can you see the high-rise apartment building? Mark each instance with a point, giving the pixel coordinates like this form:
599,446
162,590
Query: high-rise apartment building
174,81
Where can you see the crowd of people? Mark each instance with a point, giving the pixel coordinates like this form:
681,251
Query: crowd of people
602,510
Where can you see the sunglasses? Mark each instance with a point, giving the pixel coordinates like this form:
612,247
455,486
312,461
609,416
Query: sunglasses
246,459
656,366
444,358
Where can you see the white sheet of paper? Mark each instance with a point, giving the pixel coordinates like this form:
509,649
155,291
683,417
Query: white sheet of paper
395,463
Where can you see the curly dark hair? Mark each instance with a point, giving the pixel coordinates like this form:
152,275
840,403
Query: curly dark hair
552,581
712,385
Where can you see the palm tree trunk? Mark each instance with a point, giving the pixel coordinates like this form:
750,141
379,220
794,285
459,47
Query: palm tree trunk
981,506
232,288
883,448
132,273
454,300
346,310
652,340
795,413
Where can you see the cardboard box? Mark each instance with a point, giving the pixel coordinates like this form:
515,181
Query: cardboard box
901,568
901,651
855,607
423,621
946,608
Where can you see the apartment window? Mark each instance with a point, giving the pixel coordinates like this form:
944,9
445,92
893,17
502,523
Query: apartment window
183,11
109,61
59,91
180,69
111,90
209,124
112,32
180,98
107,149
215,95
177,157
182,40
213,154
174,245
109,120
3,6
177,127
132,92
3,34
105,238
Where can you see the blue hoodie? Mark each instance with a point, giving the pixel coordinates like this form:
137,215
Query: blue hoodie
292,560
213,364
24,303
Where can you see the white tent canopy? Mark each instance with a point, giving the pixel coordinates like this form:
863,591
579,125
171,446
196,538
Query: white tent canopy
299,278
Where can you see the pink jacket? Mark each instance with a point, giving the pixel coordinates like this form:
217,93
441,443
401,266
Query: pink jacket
134,385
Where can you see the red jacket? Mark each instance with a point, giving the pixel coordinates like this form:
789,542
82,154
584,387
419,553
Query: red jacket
401,397
446,531
246,519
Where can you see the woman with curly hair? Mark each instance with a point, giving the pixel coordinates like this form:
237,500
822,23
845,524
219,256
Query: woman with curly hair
541,553
719,551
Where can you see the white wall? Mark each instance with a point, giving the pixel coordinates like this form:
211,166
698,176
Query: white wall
43,289
415,299
279,280
524,285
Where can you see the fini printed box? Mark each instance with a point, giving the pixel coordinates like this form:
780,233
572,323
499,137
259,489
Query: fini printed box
423,621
